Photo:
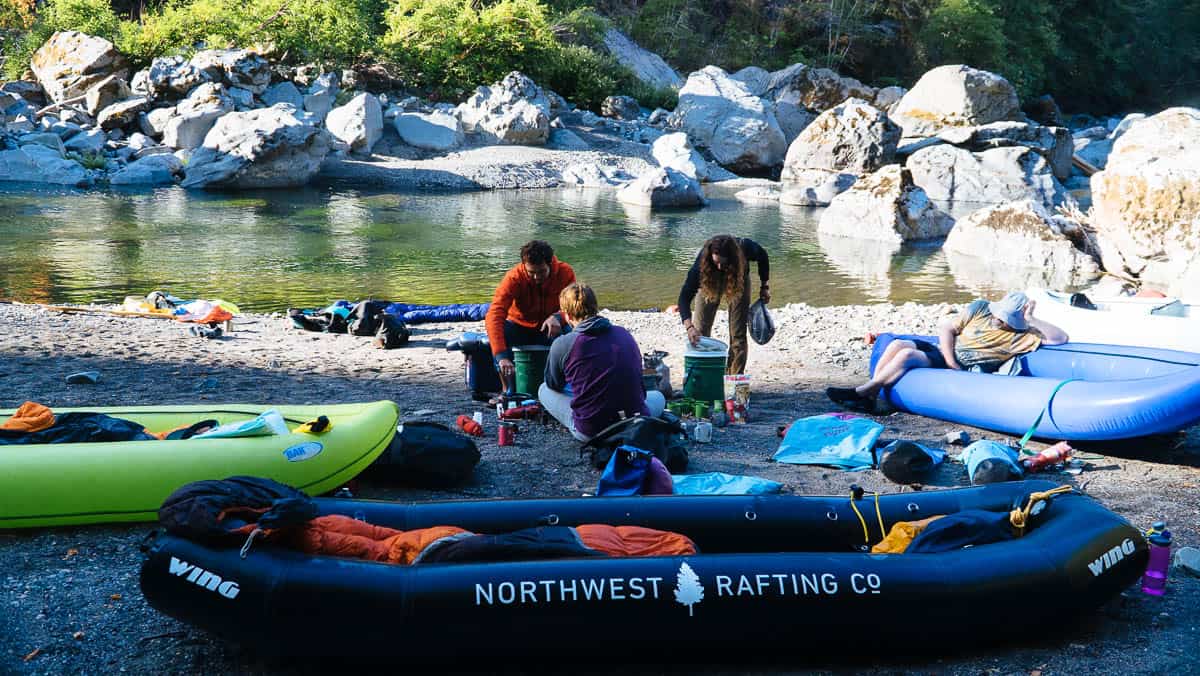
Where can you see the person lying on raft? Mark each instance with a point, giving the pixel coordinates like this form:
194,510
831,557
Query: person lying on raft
600,363
980,338
524,309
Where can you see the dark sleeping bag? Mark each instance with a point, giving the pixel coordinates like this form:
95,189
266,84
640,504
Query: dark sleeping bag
80,427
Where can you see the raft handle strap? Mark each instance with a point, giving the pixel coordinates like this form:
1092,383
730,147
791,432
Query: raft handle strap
1019,518
1033,428
856,493
250,540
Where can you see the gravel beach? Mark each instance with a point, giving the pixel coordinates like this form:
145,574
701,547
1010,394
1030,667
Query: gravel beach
69,597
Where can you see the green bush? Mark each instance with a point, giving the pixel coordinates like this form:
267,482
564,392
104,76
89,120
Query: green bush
963,31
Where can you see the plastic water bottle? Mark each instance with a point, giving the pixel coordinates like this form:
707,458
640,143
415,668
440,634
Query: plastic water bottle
1154,582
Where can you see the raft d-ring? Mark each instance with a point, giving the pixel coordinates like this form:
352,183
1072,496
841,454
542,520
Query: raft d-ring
831,515
750,515
552,520
913,508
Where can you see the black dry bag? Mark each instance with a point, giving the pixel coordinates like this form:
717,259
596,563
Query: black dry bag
428,455
762,325
392,332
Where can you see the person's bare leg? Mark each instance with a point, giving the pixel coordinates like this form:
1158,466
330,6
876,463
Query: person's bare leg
904,360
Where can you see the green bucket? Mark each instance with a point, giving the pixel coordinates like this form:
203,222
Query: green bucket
704,377
530,363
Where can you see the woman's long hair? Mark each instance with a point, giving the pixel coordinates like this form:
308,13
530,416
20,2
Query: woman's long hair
733,277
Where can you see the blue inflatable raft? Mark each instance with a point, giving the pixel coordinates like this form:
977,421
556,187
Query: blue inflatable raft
1089,392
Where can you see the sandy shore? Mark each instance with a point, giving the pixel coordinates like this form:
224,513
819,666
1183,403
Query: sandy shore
69,596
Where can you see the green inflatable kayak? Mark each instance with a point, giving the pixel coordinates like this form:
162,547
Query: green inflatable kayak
62,484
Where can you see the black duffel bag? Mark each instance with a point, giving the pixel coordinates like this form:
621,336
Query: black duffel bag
428,455
663,436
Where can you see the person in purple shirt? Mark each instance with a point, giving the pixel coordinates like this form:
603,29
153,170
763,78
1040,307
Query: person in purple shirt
594,373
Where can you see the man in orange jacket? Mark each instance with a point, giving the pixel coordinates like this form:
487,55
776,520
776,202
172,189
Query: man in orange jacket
524,309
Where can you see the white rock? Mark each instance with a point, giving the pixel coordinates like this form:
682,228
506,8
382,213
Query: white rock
1053,143
620,108
89,142
319,104
196,115
157,169
1146,202
237,67
814,187
283,92
1019,244
122,113
758,195
674,151
432,131
722,115
565,139
173,76
266,148
956,96
39,164
756,79
817,89
47,139
358,124
1093,151
1124,125
513,111
592,175
646,66
853,137
887,98
964,181
885,206
154,122
70,62
105,93
663,188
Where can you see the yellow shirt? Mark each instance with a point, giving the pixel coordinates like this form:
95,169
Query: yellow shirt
983,341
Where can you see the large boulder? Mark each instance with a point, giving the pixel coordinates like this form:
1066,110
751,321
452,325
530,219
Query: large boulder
122,113
674,151
266,148
154,123
235,67
157,169
646,65
849,140
1053,143
1021,244
1094,151
592,175
956,96
1146,202
171,77
514,111
817,89
885,206
196,115
321,96
738,128
620,108
88,142
70,62
437,130
38,164
105,93
284,92
963,181
358,124
48,139
663,188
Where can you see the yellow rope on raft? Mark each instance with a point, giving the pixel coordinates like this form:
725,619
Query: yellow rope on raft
1020,517
878,514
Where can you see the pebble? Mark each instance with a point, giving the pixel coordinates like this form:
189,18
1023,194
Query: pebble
958,438
1188,560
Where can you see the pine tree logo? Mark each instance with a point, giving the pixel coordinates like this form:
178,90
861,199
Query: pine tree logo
688,590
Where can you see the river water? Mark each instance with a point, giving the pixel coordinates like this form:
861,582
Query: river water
270,250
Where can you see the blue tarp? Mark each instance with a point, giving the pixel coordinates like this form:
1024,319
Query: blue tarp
834,439
720,483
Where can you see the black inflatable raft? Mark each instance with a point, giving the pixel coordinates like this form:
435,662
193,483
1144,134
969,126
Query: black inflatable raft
776,573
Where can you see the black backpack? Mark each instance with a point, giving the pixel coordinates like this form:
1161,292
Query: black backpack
428,455
392,332
663,436
364,318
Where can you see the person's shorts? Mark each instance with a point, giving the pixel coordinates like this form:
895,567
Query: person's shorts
936,360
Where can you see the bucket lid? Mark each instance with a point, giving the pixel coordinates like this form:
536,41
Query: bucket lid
707,348
531,348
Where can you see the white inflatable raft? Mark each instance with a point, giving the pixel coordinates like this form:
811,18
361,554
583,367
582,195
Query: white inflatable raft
1164,323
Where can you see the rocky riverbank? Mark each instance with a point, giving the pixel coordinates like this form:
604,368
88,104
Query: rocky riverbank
70,598
1032,197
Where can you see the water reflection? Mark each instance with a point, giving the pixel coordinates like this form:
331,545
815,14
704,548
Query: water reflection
272,249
